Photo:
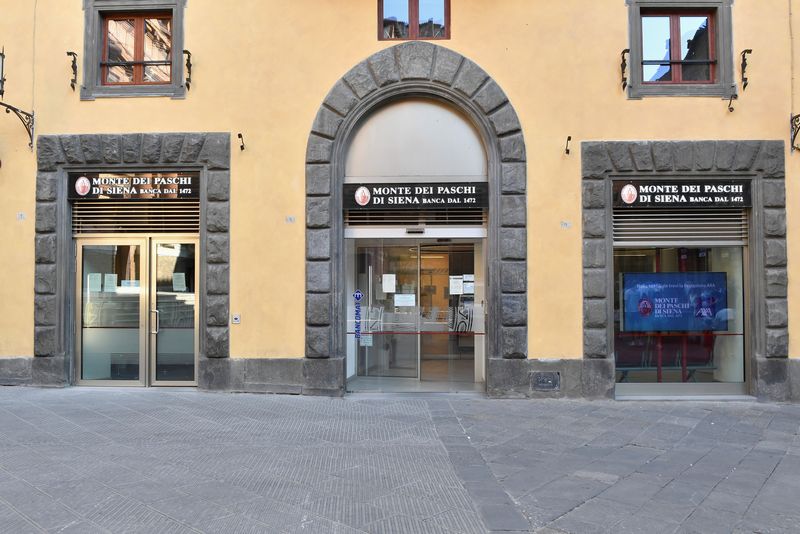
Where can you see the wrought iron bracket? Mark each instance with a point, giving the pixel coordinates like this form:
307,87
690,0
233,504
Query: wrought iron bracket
74,81
24,117
241,140
566,147
2,68
188,69
623,67
730,101
744,67
795,127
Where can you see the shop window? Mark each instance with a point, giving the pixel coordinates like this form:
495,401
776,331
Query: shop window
680,48
679,314
133,52
413,19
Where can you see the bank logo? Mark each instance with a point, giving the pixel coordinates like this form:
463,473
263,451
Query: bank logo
628,194
358,295
83,186
645,307
362,196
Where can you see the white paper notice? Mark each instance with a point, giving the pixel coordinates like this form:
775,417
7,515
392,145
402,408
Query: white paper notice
456,285
469,277
365,340
469,288
94,281
405,299
110,283
179,281
389,282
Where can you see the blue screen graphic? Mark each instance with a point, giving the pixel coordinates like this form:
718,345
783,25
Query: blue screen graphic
675,302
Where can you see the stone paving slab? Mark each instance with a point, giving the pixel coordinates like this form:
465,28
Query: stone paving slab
86,460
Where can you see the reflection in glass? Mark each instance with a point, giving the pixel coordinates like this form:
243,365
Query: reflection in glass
655,47
120,49
431,18
157,47
110,314
395,19
682,351
175,302
695,46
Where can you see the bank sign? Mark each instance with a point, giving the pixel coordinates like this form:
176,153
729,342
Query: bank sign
134,186
674,302
682,194
416,196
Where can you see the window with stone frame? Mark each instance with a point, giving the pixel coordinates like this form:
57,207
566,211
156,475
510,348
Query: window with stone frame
680,48
133,48
400,20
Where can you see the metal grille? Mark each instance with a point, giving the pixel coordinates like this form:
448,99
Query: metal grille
459,217
644,227
130,216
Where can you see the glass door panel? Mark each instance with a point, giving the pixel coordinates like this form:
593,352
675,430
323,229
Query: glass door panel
387,341
112,304
173,311
447,302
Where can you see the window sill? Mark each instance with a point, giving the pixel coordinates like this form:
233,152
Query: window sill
715,90
128,91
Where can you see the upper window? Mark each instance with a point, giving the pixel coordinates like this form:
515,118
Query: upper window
133,48
413,19
681,47
137,49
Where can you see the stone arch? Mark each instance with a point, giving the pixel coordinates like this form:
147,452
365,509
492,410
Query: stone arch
417,69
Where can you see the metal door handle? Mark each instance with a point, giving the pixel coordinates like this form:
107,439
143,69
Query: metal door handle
158,321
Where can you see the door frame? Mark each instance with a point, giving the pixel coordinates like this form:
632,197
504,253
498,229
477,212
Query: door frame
147,302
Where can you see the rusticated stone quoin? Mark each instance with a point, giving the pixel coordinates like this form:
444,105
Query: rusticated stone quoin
209,152
417,68
761,161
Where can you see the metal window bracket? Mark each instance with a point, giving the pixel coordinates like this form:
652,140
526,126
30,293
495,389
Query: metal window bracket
24,117
623,67
74,81
744,67
188,69
733,97
794,124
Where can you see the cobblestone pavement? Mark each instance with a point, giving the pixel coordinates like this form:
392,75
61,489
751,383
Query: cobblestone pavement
85,460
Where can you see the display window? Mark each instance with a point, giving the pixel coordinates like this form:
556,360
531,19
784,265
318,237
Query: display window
679,314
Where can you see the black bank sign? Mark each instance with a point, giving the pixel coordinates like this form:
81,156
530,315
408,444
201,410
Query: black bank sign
134,186
682,194
416,196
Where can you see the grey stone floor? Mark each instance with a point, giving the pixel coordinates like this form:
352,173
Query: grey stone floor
86,460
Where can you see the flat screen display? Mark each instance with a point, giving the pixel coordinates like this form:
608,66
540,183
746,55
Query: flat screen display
674,302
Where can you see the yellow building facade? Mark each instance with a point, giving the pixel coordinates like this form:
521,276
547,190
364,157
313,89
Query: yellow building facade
504,257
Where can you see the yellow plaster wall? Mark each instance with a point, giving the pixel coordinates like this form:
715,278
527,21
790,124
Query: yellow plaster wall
262,67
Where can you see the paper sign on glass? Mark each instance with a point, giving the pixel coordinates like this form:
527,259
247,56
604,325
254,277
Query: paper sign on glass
469,277
365,340
469,287
389,282
130,283
94,281
405,299
179,281
110,283
456,285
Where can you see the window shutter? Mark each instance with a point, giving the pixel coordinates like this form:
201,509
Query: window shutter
155,216
660,227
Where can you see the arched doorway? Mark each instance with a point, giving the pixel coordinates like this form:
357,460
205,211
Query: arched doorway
435,74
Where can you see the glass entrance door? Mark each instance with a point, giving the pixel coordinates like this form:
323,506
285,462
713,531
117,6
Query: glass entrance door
415,316
136,308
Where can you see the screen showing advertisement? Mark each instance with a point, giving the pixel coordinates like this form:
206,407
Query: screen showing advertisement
674,302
